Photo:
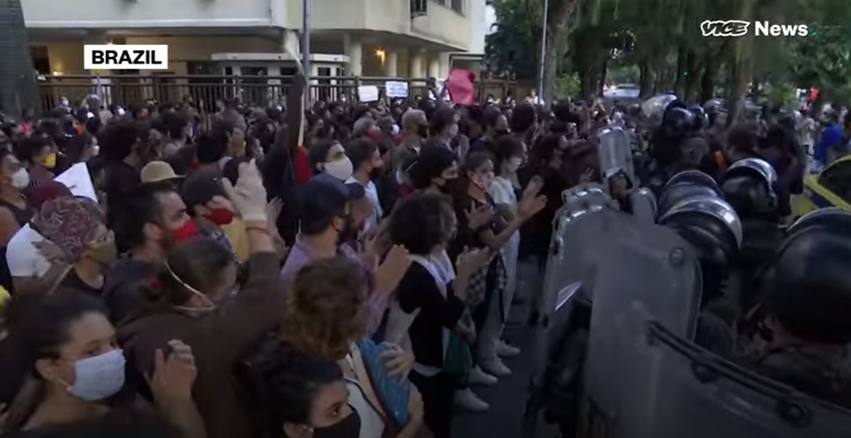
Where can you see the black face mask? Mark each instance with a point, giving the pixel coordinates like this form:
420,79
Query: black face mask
447,185
376,173
348,428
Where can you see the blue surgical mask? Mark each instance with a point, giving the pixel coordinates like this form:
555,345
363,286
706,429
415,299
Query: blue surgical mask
98,377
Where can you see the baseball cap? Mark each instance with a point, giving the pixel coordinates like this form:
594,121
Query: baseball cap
157,171
201,187
324,195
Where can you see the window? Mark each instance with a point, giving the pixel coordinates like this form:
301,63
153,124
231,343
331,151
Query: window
418,8
458,6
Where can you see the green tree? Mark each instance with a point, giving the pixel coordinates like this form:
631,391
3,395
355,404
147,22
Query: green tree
512,46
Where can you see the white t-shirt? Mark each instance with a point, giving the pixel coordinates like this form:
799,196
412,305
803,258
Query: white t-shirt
23,258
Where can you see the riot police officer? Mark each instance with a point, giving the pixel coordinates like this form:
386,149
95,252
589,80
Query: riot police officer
806,295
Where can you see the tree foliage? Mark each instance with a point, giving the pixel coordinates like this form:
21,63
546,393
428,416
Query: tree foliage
662,41
512,47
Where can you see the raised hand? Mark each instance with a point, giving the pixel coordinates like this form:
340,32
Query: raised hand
173,375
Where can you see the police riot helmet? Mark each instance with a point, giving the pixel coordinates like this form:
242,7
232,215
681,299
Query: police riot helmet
714,230
750,185
806,286
713,106
677,121
700,118
685,185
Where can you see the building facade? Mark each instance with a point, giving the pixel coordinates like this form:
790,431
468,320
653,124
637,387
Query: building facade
365,38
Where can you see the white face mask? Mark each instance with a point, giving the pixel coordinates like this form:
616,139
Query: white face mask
400,178
340,169
395,129
95,150
98,377
21,179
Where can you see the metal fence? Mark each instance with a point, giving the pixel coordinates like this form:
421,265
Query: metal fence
206,90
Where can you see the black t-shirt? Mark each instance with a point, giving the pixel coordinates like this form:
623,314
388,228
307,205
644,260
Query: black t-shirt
121,180
537,231
73,281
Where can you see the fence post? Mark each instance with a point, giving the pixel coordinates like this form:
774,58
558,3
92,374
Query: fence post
355,90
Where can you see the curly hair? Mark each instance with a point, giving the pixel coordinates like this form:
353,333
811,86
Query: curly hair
326,307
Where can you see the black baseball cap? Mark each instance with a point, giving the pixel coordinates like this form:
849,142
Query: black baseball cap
324,195
201,187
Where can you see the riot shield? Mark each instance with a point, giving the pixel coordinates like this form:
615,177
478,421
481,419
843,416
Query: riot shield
653,108
644,379
615,153
569,265
644,206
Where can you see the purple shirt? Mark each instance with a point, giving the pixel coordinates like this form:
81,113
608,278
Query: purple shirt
301,254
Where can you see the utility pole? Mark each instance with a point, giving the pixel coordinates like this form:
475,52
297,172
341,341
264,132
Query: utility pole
305,38
543,61
18,89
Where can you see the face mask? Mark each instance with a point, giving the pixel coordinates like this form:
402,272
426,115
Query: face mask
395,129
21,179
105,253
98,377
446,187
95,150
220,216
340,169
376,173
349,427
483,181
514,163
187,231
49,160
400,177
208,303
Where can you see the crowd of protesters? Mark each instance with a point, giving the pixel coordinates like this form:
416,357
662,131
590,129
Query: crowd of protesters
340,270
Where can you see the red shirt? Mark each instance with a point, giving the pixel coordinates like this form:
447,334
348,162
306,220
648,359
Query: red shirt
301,165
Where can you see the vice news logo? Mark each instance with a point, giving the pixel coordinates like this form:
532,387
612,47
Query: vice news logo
126,57
737,28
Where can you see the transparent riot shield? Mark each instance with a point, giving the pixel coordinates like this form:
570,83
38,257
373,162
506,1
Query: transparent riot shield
644,379
569,265
615,152
644,205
